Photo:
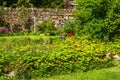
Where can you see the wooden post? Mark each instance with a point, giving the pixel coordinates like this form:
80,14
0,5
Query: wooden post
34,20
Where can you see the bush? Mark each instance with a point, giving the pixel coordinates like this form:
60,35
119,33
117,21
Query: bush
36,57
4,31
47,28
98,18
34,3
70,26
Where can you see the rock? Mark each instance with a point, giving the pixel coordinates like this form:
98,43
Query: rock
116,57
11,74
108,55
62,36
42,34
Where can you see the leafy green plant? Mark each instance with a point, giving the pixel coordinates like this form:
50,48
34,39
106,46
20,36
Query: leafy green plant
23,17
33,57
48,3
70,27
34,3
98,18
21,3
47,28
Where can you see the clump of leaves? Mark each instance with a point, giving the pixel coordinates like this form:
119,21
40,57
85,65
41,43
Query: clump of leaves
99,18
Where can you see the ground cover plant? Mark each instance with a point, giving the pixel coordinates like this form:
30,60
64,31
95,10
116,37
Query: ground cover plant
29,57
102,74
26,57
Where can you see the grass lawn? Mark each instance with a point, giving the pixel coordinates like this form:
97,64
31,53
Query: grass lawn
31,37
102,74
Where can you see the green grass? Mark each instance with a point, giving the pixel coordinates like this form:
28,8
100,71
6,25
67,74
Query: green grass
31,37
102,74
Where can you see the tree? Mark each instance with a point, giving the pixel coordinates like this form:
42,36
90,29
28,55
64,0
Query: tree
34,3
99,18
25,3
8,2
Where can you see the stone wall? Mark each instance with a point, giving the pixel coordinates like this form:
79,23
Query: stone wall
37,16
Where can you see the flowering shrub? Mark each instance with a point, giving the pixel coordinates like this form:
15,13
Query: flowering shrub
4,30
70,34
37,57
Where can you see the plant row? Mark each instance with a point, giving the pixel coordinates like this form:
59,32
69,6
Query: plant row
28,58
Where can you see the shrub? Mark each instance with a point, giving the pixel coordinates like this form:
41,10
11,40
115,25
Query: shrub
36,57
25,3
4,31
71,26
47,28
98,18
34,3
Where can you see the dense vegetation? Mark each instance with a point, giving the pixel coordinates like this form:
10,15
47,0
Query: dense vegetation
30,57
80,45
102,74
97,19
34,3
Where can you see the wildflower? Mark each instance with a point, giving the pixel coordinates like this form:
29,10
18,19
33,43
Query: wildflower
70,34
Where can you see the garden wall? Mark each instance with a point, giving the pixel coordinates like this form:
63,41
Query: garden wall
37,16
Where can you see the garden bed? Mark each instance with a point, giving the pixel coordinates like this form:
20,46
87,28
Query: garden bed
30,57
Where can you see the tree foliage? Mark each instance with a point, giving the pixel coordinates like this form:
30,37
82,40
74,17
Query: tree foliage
99,18
25,3
35,3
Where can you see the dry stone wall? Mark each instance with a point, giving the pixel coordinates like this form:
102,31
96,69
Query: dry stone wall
37,16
